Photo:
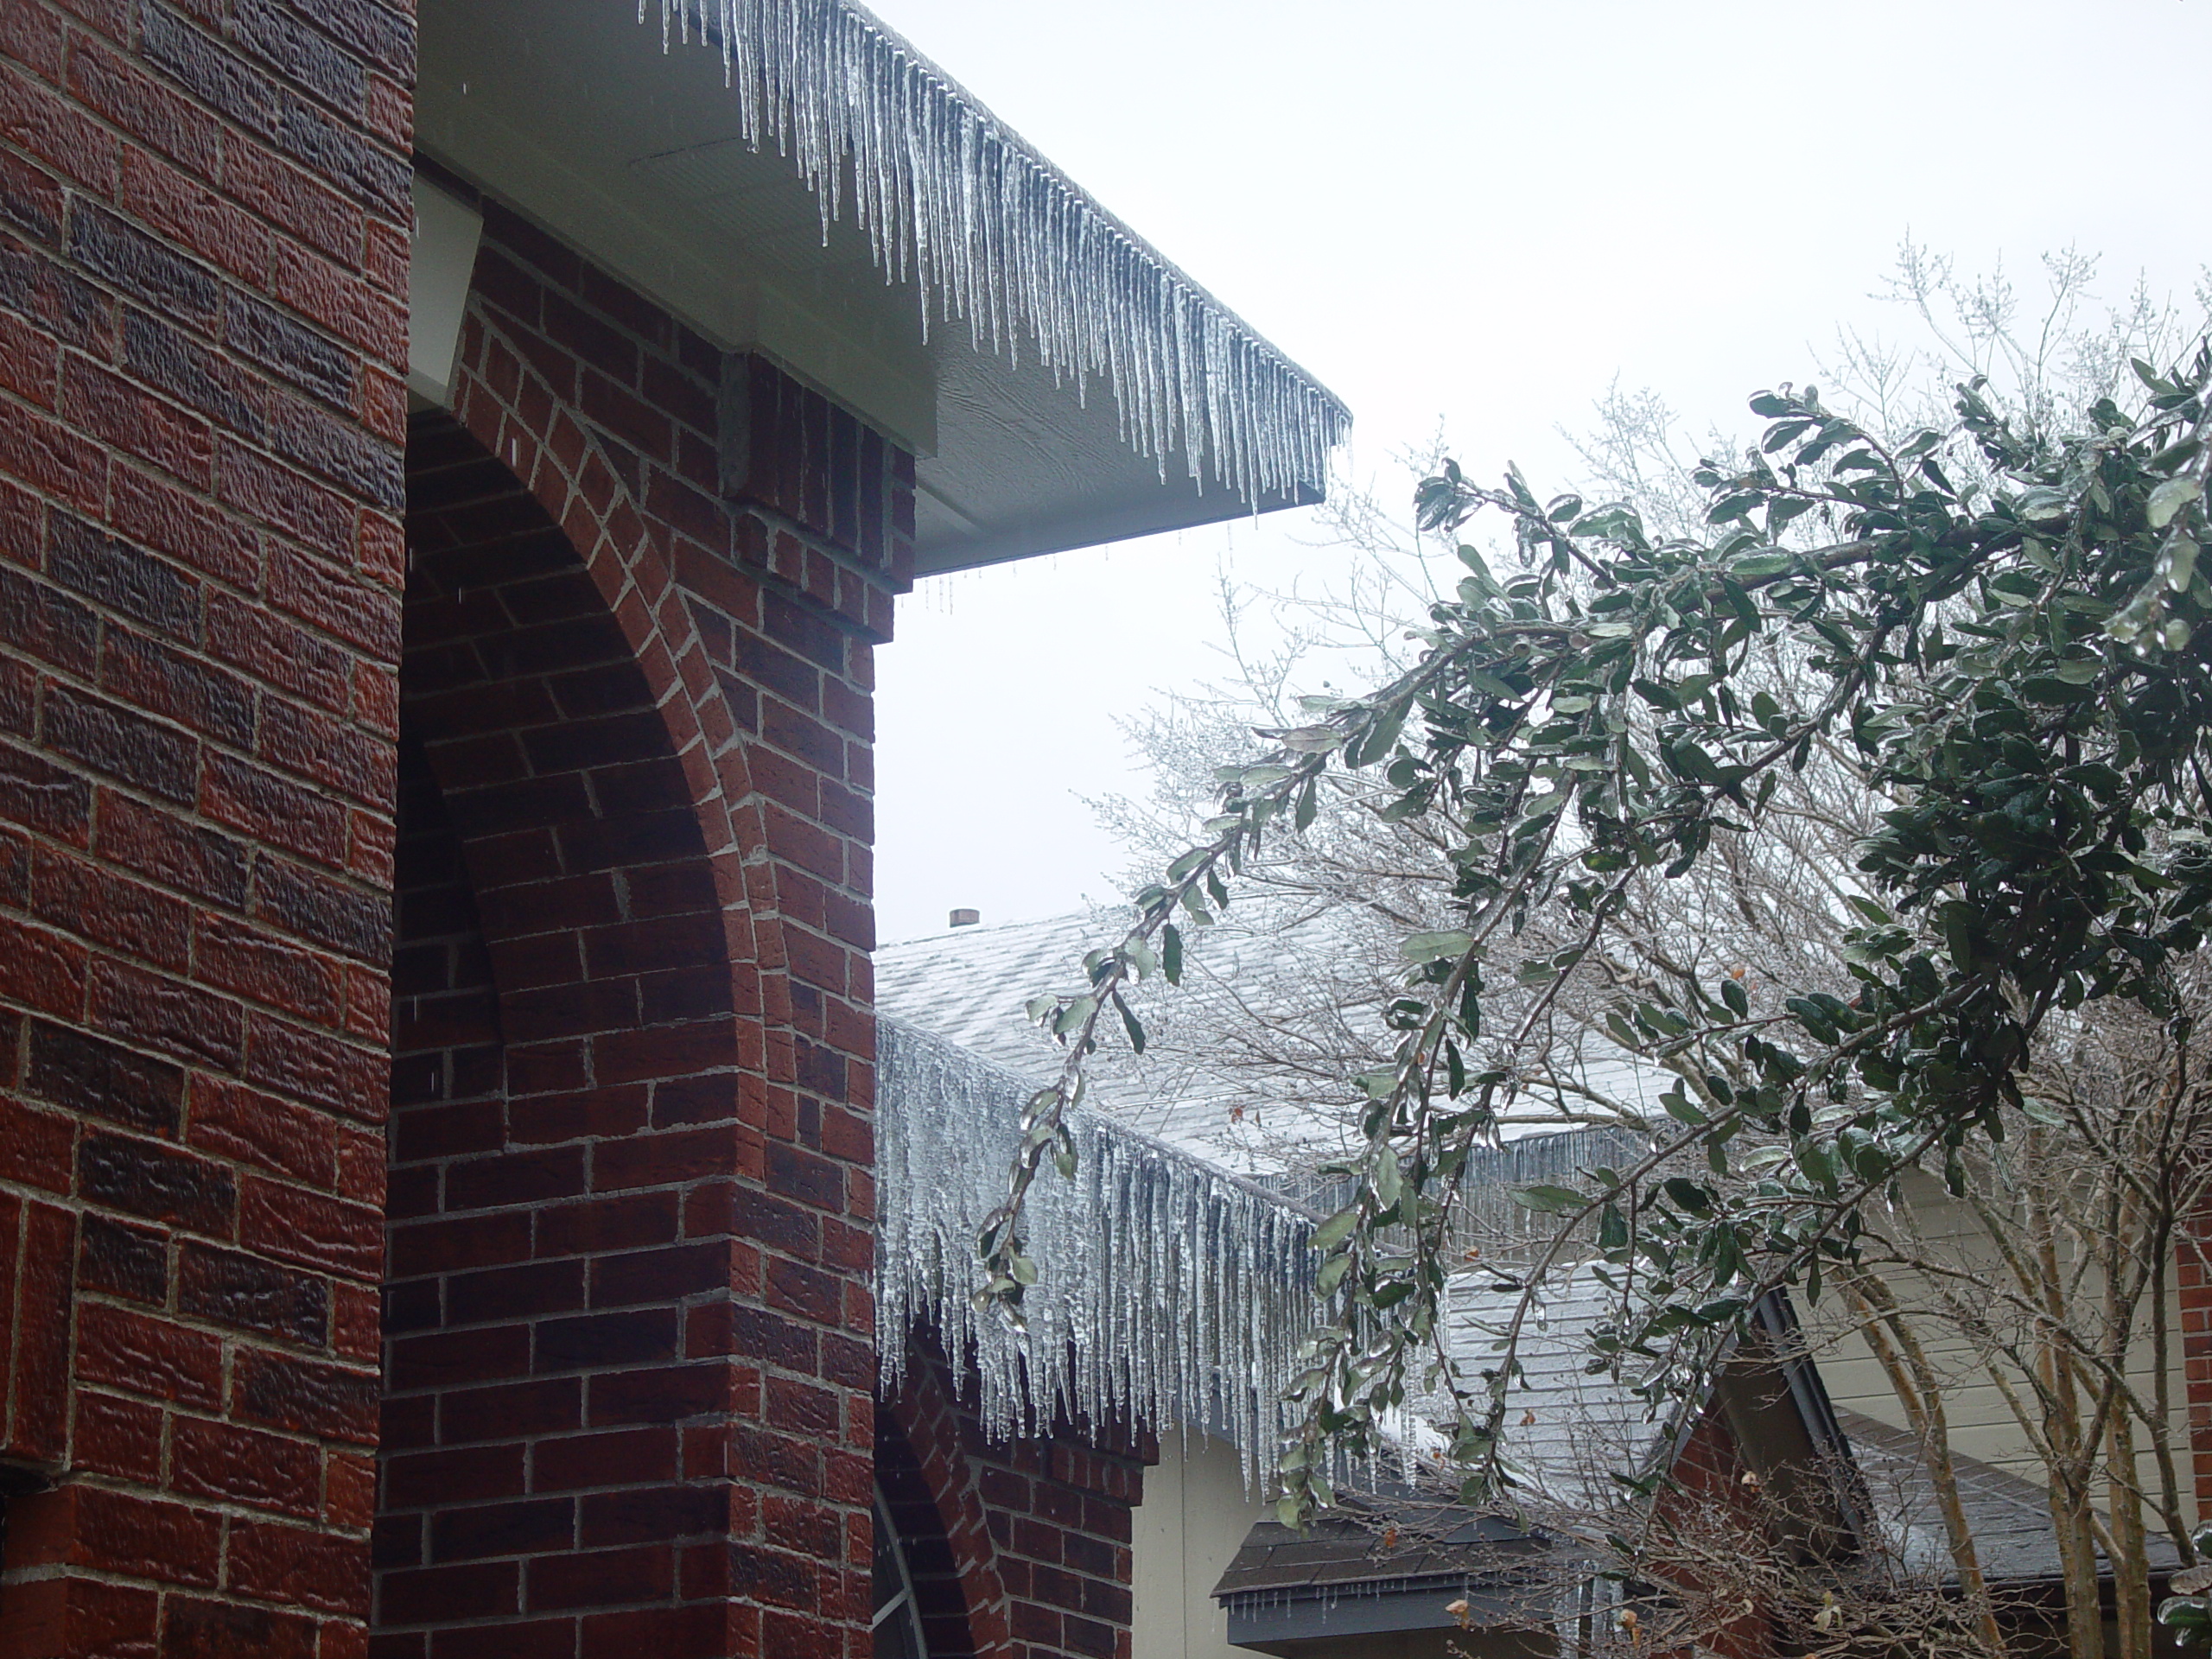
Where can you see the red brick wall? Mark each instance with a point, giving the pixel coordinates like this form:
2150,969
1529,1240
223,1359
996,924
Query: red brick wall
631,1183
1025,1545
2193,1273
203,251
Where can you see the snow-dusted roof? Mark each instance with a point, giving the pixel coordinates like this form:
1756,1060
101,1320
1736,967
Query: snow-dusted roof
972,986
1251,1060
1567,1428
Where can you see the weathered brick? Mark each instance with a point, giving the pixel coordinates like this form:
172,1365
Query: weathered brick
309,361
248,1292
264,1131
323,911
199,1628
73,1068
162,327
123,1260
164,1014
170,359
179,687
48,456
168,521
308,1396
54,296
108,82
127,747
199,862
205,223
137,1354
141,1178
299,1567
296,1225
54,129
48,625
232,1464
143,268
278,37
30,199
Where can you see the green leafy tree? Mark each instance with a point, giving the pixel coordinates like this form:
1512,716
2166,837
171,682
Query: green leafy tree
1991,637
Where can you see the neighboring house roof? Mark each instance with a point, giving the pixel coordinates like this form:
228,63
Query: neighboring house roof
1568,1429
1262,1105
971,985
1338,1578
2009,1517
791,176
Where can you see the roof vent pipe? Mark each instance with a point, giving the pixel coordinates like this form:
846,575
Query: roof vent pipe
966,918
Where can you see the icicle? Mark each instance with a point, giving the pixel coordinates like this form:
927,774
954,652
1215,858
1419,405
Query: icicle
999,237
1171,1291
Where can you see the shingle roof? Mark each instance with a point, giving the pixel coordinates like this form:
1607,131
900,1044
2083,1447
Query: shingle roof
971,985
1566,1427
2009,1517
1358,1549
1250,1062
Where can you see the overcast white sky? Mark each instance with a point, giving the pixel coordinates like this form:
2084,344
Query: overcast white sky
1478,214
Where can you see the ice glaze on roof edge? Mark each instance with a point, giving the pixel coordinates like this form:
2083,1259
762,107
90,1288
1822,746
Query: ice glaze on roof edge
1169,1291
994,233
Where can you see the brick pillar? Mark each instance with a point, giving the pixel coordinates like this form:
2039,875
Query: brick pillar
559,1373
750,618
203,258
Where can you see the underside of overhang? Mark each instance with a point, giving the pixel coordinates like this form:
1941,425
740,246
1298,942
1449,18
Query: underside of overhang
572,113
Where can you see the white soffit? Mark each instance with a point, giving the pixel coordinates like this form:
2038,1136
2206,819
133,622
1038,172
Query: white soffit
570,111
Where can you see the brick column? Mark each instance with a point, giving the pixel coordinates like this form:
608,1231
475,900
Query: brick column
203,259
630,1358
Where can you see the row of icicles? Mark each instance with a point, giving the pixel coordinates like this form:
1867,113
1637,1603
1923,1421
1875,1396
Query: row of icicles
1170,1292
998,236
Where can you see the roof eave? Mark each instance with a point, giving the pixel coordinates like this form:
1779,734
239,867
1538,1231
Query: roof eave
791,177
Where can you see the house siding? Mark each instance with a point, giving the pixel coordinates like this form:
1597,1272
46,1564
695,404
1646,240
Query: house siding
1980,1422
1197,1509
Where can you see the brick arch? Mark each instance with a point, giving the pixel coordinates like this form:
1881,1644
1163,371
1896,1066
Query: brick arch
929,1483
749,611
1039,1529
592,878
559,1378
522,422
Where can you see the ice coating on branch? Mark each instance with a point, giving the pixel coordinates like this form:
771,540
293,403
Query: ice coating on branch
995,234
1169,1291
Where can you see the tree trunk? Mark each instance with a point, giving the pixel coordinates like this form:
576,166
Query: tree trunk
1919,1391
2071,1463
